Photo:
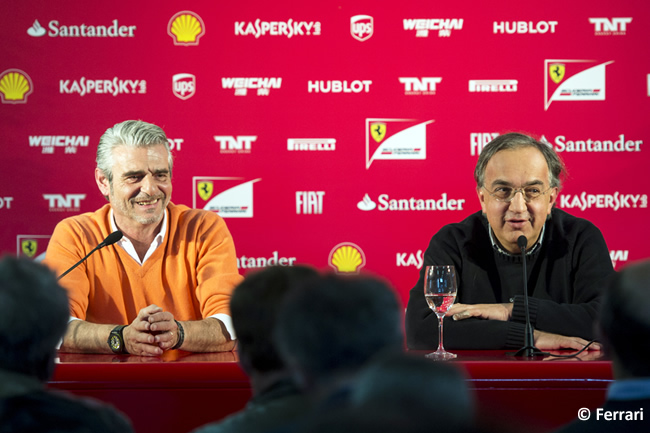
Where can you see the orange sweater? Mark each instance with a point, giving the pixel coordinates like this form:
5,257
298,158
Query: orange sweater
191,274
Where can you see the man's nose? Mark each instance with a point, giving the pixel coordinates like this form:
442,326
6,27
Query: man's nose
518,202
149,185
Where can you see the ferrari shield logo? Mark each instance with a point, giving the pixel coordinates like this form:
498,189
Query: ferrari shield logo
205,189
556,71
378,131
29,247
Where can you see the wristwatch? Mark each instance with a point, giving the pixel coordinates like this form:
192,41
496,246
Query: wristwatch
116,340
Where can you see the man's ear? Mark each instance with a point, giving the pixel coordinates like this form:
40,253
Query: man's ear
102,182
481,197
552,198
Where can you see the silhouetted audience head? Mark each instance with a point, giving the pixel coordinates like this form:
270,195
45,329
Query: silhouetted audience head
398,392
334,325
254,310
424,391
34,315
624,323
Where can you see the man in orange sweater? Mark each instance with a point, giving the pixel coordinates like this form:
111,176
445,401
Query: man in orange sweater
167,283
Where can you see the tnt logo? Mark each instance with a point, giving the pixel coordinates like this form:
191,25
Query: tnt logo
5,202
420,86
606,27
309,202
361,27
235,144
64,202
175,143
184,86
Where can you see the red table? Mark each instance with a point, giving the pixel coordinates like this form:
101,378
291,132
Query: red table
541,394
180,391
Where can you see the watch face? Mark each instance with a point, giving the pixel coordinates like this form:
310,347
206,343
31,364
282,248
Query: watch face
116,344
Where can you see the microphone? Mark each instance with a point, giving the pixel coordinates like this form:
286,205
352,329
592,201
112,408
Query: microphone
110,240
522,242
529,350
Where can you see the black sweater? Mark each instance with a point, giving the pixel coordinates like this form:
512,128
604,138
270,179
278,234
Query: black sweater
566,276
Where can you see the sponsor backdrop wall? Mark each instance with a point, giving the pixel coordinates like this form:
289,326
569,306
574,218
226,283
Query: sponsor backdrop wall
337,134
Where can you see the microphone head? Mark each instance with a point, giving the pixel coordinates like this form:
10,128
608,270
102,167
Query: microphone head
522,242
112,238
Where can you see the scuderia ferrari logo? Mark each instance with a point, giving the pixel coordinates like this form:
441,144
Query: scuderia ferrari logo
205,189
378,131
556,72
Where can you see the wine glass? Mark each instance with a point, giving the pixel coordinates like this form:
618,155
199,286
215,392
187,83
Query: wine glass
440,293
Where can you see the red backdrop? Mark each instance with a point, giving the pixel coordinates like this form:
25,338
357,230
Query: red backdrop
327,133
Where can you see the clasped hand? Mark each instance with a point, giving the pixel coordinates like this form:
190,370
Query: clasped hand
543,340
151,333
481,311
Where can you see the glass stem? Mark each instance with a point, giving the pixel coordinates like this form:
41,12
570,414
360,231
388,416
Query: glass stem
440,320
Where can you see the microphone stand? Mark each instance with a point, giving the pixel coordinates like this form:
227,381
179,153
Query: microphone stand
529,350
110,240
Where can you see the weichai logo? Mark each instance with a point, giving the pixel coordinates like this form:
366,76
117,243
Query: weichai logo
243,84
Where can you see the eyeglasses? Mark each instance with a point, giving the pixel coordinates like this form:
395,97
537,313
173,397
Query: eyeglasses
507,194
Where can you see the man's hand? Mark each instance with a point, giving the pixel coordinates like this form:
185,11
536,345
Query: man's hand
151,333
482,311
548,341
139,337
164,328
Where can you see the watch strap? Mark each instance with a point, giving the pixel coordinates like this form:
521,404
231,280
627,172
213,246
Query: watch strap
116,340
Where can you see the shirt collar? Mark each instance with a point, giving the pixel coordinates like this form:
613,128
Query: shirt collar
497,245
127,245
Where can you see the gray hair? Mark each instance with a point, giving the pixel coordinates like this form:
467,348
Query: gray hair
131,133
514,140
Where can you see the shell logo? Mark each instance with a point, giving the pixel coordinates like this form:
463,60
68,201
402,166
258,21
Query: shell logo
186,28
15,86
347,258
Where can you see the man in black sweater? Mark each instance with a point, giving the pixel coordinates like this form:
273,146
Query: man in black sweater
518,180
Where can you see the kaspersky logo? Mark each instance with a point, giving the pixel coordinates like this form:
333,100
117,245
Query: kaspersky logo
574,80
15,86
347,258
186,28
395,139
229,197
